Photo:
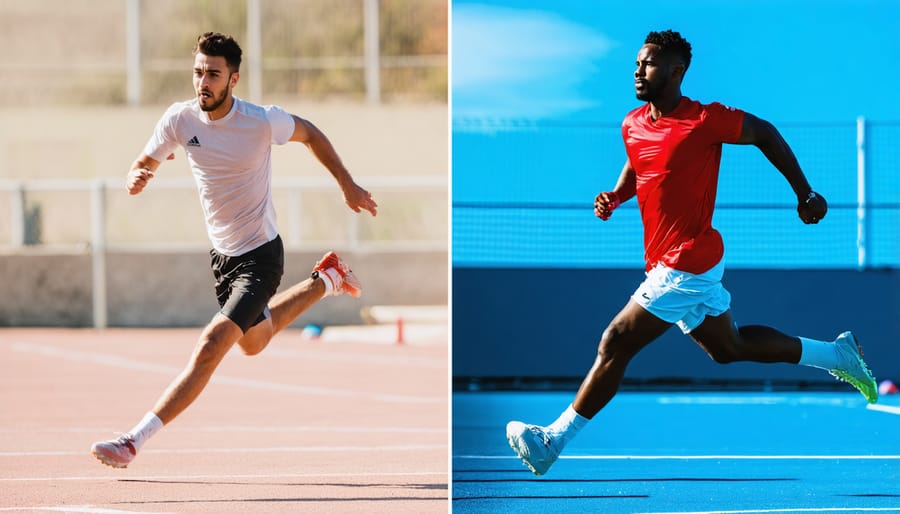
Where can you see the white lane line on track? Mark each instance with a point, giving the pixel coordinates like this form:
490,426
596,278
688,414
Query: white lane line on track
229,476
76,509
772,511
274,449
124,363
694,457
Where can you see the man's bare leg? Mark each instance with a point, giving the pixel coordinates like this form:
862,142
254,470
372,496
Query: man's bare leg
725,343
842,358
632,329
333,277
284,307
217,338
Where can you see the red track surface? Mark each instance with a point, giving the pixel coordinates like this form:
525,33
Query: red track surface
303,427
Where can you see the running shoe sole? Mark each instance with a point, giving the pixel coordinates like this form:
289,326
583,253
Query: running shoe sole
867,387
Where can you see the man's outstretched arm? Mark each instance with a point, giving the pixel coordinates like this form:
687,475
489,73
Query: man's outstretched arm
811,207
355,196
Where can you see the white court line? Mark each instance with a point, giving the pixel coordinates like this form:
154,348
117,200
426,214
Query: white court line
77,509
229,476
799,509
848,400
695,457
890,409
123,363
275,449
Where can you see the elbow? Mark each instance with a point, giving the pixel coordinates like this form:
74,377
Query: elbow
767,136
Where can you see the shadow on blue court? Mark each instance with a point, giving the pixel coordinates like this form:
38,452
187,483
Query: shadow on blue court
684,453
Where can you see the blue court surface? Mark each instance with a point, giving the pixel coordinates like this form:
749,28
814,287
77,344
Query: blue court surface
723,452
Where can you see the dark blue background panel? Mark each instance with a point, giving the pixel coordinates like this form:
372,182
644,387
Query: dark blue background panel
547,322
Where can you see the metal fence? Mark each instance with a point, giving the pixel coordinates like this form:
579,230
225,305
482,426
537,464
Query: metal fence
138,51
74,215
98,217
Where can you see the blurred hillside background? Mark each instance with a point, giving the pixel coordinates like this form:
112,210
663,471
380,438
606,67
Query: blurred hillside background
83,83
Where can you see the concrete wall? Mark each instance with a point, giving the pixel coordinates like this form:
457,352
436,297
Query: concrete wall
547,322
169,289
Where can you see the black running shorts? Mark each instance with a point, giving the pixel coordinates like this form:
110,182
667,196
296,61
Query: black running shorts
246,283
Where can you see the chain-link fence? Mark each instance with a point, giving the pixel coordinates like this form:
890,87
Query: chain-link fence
523,197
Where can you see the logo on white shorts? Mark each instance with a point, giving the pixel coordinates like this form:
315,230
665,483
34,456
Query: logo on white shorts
193,141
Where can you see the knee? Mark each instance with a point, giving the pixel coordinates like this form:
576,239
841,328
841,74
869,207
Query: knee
725,352
210,350
251,347
720,338
724,357
256,339
613,344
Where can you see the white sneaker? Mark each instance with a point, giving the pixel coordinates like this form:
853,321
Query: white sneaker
851,367
533,445
117,453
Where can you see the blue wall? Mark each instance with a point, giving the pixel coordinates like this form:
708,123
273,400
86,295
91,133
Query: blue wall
547,322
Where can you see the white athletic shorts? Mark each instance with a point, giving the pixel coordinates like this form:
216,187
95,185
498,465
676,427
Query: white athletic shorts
683,298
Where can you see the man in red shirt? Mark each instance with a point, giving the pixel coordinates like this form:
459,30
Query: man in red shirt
674,145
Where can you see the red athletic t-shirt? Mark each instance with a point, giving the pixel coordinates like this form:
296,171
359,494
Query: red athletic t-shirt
676,163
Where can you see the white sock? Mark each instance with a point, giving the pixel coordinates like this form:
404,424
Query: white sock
567,426
817,354
145,429
331,278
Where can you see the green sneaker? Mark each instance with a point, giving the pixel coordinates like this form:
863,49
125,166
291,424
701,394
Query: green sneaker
852,368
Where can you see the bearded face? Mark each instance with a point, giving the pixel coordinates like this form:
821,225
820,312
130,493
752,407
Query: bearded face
213,82
652,74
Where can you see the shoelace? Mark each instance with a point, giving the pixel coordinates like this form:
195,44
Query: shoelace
126,441
543,435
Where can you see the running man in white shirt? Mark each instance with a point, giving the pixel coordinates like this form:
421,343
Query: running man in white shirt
228,145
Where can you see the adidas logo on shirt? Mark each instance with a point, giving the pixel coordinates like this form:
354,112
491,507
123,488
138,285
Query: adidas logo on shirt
193,141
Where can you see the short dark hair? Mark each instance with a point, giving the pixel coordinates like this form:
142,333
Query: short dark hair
220,45
671,42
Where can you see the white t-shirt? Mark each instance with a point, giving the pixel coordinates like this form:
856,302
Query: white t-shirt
231,162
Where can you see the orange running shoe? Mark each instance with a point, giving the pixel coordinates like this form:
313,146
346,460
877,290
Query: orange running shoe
341,277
